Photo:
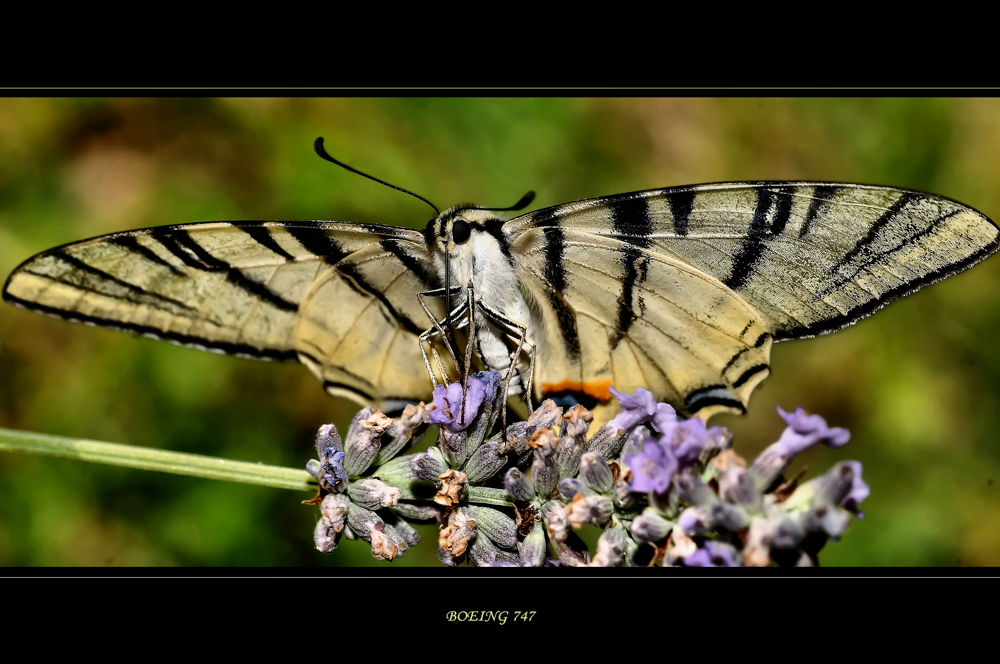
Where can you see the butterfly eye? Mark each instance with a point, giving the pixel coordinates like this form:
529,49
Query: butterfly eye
460,231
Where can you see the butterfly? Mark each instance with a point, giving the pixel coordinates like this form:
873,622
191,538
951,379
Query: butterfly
681,290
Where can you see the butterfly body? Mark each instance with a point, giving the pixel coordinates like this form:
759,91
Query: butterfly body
681,290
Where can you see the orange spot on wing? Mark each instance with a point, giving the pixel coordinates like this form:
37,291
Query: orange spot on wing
597,389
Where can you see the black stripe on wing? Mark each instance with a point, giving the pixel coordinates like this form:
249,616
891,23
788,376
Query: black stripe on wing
181,244
155,333
555,275
134,293
633,224
765,226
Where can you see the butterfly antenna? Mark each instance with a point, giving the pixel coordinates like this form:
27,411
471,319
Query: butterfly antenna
318,147
520,205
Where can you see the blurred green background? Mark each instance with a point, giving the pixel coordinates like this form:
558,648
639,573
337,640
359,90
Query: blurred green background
918,384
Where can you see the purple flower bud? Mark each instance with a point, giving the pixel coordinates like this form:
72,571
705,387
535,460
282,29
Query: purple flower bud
532,548
594,470
650,526
693,490
570,486
448,402
518,486
696,520
653,468
714,554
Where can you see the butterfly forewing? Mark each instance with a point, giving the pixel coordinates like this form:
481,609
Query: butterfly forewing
339,297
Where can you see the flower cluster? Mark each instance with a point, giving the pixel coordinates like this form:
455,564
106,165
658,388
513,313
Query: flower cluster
664,490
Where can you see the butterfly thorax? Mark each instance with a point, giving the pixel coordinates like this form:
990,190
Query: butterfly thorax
478,254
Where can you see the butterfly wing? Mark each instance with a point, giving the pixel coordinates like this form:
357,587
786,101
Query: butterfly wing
696,282
338,297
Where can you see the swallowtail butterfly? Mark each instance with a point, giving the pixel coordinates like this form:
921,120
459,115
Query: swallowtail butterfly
681,290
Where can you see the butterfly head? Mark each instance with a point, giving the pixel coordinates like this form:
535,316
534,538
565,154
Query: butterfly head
469,246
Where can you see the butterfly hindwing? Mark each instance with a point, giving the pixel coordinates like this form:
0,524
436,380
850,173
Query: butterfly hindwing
638,318
796,259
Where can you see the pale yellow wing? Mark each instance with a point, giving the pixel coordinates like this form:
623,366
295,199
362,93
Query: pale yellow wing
341,298
699,280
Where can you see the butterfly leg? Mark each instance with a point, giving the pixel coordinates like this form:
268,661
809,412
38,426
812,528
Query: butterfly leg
518,332
438,324
470,346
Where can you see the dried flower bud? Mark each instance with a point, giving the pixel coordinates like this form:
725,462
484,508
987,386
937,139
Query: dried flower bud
596,473
373,494
454,488
458,533
610,548
402,530
554,518
756,551
314,468
363,440
328,438
384,546
786,532
331,523
595,510
577,422
326,536
572,552
829,519
684,546
403,432
362,521
737,486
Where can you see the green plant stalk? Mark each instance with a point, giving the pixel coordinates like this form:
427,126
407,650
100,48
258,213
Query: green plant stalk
144,458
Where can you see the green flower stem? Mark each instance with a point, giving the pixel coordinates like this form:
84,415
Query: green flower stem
163,461
484,495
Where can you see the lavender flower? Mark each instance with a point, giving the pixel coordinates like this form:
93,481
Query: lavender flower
641,407
448,402
653,468
671,494
689,438
803,431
